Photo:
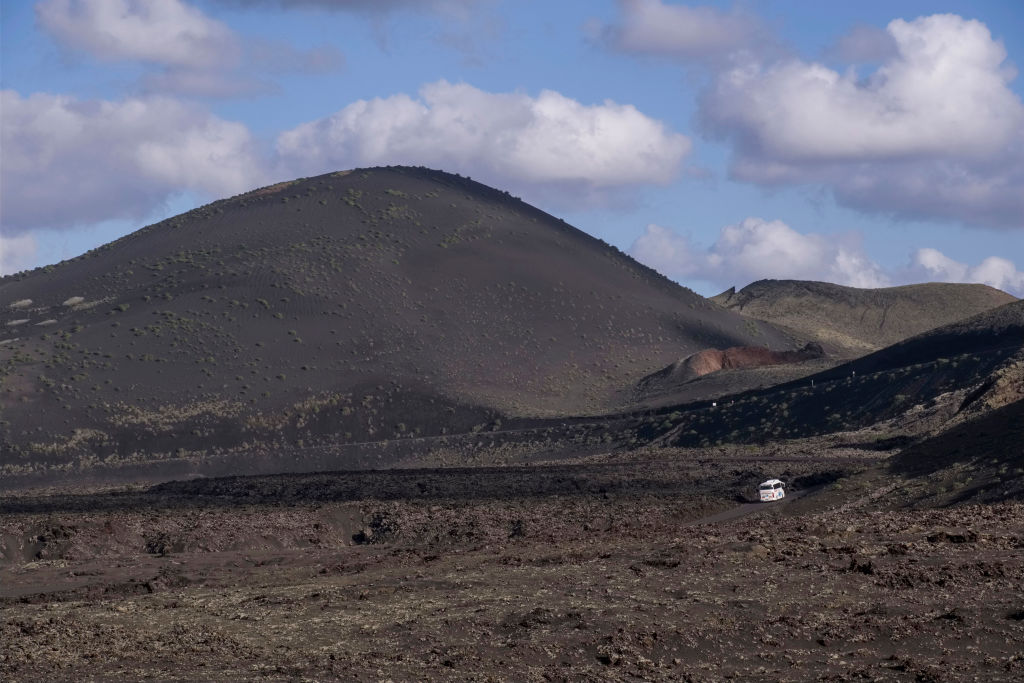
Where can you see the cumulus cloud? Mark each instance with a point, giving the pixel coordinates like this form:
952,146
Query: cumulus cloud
168,32
16,253
193,52
795,111
148,149
934,132
995,271
755,249
680,31
508,139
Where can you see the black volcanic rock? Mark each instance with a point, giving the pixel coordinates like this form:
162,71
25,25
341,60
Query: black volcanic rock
979,460
366,305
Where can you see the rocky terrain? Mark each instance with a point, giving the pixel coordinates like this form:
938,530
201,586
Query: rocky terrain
639,566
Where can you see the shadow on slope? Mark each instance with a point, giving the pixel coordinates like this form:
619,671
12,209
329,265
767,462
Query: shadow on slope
979,460
919,385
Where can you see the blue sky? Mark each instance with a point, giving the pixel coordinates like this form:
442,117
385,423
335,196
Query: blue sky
869,143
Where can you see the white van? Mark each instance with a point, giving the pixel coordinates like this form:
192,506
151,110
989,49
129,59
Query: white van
770,490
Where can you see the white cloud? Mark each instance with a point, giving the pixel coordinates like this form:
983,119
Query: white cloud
16,253
192,52
852,267
69,162
167,32
795,111
755,249
935,132
995,271
669,253
509,139
939,266
698,33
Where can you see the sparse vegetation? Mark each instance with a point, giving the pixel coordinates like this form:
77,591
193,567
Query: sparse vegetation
391,337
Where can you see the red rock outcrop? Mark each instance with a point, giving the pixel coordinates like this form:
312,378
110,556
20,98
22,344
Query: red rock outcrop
712,360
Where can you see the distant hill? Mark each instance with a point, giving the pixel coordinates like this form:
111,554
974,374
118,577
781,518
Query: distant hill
853,321
384,303
930,382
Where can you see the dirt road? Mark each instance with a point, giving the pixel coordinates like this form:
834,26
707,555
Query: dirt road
753,508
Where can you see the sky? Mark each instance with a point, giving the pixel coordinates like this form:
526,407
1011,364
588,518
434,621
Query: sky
868,144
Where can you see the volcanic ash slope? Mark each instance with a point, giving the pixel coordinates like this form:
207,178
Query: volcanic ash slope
373,304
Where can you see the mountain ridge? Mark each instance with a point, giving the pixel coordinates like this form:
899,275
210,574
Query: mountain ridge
852,321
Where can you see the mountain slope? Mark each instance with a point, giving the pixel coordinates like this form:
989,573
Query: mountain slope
978,460
929,382
854,321
357,306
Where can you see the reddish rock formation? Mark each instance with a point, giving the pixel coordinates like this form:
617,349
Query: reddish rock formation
712,360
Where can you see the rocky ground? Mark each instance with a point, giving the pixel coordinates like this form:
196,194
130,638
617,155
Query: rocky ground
650,565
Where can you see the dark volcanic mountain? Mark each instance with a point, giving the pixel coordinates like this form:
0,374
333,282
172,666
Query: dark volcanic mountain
852,321
375,304
925,384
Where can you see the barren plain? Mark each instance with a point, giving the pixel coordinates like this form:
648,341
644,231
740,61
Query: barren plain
636,566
